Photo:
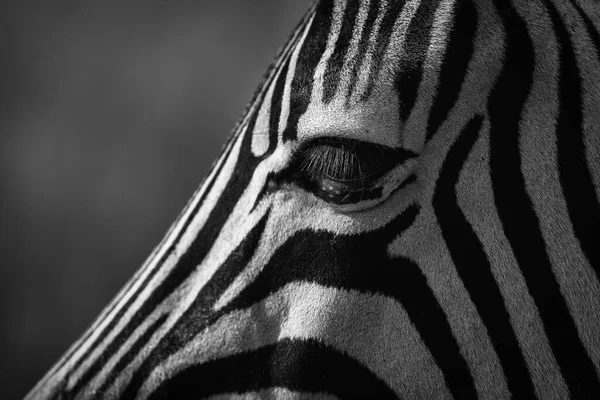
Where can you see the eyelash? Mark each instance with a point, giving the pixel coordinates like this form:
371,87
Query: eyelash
342,171
342,160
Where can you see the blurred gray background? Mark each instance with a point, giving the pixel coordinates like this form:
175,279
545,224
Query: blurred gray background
111,114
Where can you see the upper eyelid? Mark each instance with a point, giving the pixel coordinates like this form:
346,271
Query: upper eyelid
380,157
341,161
321,140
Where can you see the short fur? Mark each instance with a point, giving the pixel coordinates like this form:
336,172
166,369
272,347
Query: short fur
470,268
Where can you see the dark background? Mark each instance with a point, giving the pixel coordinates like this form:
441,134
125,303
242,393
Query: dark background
111,114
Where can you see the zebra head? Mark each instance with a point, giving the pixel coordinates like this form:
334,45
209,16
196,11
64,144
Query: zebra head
408,209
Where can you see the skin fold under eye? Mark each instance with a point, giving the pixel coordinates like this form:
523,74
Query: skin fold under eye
343,171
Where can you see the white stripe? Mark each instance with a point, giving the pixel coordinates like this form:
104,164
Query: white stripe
350,58
419,116
372,329
395,49
366,66
332,38
285,104
260,135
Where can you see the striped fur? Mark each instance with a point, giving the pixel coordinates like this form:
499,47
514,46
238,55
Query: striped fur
471,269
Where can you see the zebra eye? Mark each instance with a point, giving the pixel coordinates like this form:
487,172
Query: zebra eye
342,171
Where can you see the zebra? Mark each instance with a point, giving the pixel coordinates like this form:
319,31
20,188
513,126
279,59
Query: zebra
408,208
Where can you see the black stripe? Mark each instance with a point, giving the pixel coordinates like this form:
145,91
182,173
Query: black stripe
347,262
298,365
414,53
338,261
308,59
275,111
459,51
591,29
473,266
133,351
575,177
384,35
266,189
199,314
335,64
363,46
515,208
410,287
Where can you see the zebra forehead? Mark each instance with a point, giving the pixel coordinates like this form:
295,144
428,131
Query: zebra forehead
347,74
375,121
352,94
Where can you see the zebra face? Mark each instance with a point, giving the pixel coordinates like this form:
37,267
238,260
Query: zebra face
406,210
